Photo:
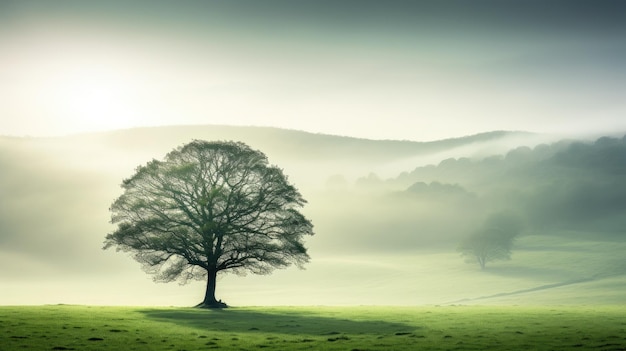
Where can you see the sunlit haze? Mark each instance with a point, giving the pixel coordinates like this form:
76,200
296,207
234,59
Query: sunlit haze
406,125
393,70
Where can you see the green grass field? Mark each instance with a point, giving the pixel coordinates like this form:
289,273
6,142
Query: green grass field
65,327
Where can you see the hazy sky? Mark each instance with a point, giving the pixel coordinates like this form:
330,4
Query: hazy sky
418,70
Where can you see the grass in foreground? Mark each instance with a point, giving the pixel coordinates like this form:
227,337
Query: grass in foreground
313,328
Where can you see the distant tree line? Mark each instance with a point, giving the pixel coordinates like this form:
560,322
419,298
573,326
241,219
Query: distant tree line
567,185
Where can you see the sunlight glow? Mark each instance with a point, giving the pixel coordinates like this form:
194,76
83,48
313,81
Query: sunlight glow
93,97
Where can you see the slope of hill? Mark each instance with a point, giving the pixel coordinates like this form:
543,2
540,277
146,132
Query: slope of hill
567,185
307,157
285,143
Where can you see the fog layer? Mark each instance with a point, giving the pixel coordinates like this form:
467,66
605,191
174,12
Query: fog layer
377,235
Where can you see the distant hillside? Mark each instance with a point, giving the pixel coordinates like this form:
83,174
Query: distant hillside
569,184
307,157
285,142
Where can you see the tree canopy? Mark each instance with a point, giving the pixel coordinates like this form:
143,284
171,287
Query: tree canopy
493,241
210,207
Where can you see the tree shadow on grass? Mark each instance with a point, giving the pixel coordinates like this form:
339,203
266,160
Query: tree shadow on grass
279,322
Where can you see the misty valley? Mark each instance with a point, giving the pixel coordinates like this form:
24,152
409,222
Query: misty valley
313,175
395,222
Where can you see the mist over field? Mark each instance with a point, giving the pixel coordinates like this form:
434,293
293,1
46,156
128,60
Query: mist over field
420,133
388,216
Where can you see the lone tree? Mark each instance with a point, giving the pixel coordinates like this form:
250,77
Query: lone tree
210,207
493,241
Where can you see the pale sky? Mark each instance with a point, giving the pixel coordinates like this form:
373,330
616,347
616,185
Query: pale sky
416,70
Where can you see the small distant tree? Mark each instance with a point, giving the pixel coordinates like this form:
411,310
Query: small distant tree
210,207
493,241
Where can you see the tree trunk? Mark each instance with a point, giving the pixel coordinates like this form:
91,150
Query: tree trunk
209,295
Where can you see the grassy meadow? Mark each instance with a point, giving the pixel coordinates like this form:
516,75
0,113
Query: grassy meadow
66,327
545,269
